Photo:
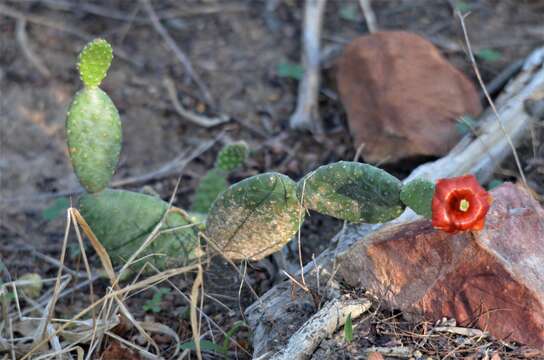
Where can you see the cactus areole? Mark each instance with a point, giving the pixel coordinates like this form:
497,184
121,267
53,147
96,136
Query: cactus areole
460,204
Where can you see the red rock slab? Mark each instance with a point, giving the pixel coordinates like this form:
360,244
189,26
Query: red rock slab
402,96
492,279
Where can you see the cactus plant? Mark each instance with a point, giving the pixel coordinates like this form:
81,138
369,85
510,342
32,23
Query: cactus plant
255,217
418,195
122,220
93,127
215,181
232,156
211,185
248,220
352,191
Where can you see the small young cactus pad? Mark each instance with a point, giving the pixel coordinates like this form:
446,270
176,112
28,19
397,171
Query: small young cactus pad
94,62
211,185
232,156
255,217
418,195
352,191
93,130
122,220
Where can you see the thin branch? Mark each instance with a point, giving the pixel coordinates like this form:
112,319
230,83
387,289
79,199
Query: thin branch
27,51
306,115
180,55
10,12
368,13
174,166
191,116
489,100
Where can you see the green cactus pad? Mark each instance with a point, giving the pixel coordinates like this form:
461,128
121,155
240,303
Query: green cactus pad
210,186
352,191
232,156
94,62
255,217
418,195
93,130
122,220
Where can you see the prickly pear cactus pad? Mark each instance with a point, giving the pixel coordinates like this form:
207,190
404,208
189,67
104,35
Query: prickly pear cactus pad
232,156
418,195
255,217
93,131
122,220
352,191
93,127
94,62
211,185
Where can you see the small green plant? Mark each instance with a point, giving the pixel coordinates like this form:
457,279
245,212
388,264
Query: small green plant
489,55
348,329
350,12
210,346
248,220
154,304
56,209
290,70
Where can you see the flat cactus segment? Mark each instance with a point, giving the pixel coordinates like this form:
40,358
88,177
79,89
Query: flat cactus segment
211,185
418,195
352,191
94,62
255,217
122,220
93,130
232,156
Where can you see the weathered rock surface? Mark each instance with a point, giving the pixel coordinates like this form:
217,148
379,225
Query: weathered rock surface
493,278
402,97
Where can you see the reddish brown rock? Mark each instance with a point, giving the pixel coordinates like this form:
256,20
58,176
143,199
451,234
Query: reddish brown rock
493,278
402,97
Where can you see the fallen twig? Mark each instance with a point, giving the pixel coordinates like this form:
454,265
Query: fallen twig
10,12
320,326
27,51
306,115
368,13
174,166
180,55
191,116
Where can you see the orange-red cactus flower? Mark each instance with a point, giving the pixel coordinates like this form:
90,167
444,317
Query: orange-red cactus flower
460,204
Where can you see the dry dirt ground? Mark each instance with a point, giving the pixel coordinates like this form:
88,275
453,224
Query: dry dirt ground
237,48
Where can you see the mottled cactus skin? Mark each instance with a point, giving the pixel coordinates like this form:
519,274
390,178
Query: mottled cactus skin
210,186
122,220
352,191
255,217
93,130
232,156
94,62
418,195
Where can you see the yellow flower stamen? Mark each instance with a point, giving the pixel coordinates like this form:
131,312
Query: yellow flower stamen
464,205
